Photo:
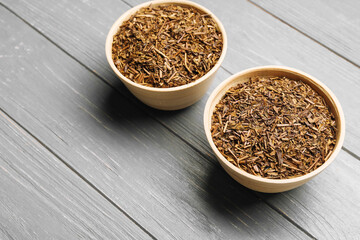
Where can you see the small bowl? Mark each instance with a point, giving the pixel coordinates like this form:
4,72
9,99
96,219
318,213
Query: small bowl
259,183
166,98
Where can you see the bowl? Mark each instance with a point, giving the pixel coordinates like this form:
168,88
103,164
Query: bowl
166,98
258,183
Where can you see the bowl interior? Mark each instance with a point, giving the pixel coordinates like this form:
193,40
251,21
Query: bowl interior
129,13
272,71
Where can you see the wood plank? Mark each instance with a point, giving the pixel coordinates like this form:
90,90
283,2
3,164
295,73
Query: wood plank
161,182
322,206
255,38
329,205
41,198
333,23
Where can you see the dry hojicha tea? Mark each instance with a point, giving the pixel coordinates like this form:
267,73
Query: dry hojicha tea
167,46
274,127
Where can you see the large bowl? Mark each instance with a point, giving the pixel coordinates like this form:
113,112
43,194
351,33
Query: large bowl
259,183
166,98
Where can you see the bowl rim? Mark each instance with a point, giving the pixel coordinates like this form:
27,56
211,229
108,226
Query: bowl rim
220,157
130,12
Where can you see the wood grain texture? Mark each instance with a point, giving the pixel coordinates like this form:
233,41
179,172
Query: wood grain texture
255,38
329,205
161,182
40,198
335,24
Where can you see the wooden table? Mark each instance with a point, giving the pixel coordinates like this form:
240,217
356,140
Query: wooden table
81,158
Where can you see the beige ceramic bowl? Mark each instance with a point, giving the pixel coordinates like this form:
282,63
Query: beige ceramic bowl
166,98
263,184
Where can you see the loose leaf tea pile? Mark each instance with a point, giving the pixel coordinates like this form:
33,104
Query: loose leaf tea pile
274,127
167,46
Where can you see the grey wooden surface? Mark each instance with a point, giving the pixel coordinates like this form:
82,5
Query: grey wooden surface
80,157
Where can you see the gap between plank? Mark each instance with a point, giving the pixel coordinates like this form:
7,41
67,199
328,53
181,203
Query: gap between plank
303,33
127,3
351,153
77,173
288,218
161,123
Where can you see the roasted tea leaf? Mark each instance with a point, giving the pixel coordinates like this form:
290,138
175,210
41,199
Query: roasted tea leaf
167,46
274,127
